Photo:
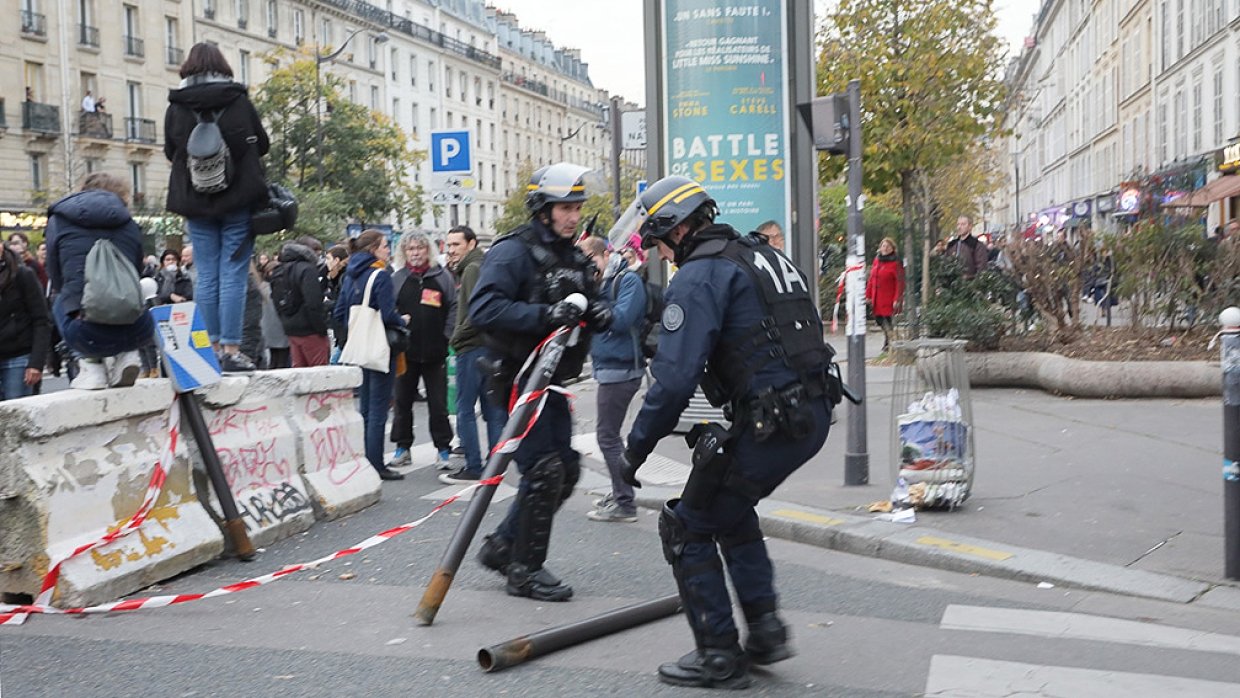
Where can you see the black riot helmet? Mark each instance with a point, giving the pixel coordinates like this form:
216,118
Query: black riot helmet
671,201
561,183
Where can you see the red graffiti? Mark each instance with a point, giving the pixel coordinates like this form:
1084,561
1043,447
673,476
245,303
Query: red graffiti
334,453
249,422
247,467
320,405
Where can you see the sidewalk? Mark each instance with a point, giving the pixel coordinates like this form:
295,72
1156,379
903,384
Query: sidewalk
1105,494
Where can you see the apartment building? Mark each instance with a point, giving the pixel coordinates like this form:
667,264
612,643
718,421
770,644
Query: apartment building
428,64
1107,92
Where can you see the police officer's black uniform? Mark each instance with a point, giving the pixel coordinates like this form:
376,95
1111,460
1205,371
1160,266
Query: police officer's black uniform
740,320
518,300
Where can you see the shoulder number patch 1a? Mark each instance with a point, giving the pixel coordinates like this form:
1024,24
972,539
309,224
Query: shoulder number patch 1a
673,317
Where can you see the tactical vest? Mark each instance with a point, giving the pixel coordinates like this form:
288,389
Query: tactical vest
789,333
560,274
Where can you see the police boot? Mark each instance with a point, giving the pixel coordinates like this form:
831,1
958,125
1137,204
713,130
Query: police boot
767,642
724,668
537,584
496,553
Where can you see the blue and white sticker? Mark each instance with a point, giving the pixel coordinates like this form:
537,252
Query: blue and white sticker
673,317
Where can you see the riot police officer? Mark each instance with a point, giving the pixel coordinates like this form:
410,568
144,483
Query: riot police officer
519,299
739,320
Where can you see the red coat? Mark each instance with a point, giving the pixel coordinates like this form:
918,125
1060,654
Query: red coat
885,287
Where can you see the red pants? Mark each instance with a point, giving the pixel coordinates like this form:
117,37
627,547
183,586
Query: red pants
311,350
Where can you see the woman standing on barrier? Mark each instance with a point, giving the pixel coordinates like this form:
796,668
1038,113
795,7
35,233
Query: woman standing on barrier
369,253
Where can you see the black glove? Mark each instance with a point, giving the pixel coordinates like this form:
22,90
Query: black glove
598,316
628,472
564,314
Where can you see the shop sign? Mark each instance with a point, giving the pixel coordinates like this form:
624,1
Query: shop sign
1230,159
1129,202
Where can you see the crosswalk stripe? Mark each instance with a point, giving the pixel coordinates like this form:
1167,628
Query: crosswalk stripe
1080,626
970,677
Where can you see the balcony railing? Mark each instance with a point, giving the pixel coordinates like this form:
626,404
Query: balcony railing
134,46
34,23
175,56
139,130
393,21
242,22
88,36
40,118
95,124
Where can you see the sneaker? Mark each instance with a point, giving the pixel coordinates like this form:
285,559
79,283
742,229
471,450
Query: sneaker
458,451
443,459
123,369
460,476
604,500
614,513
400,458
236,362
92,375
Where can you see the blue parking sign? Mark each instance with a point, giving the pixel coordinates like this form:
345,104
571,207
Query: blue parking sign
450,151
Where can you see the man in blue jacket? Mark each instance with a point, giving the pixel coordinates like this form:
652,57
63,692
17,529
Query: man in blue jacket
618,367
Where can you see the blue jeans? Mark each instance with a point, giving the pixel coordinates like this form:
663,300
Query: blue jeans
96,340
469,389
222,249
374,397
13,378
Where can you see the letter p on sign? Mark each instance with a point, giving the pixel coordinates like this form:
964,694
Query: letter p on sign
450,151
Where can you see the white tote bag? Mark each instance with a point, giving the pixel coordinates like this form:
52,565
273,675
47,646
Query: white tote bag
367,344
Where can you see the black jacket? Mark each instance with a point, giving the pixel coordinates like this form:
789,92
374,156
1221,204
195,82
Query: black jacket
74,224
297,279
24,324
430,302
243,132
173,281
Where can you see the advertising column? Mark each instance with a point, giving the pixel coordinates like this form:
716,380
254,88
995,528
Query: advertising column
725,107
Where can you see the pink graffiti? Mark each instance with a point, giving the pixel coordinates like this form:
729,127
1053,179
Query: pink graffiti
249,423
319,405
334,453
248,467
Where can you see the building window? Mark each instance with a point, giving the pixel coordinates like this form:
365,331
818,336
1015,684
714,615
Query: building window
137,181
273,18
393,61
1161,135
413,70
447,82
1218,104
93,165
172,40
1197,116
325,32
374,98
1181,124
38,172
208,9
430,75
413,119
243,67
243,13
133,42
299,26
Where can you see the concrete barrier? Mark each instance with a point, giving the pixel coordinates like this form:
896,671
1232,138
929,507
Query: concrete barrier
248,421
1095,379
328,428
75,463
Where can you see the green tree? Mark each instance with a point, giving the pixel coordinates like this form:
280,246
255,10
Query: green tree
514,213
362,170
930,88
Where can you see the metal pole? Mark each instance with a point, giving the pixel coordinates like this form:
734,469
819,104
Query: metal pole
615,156
1231,441
467,527
318,109
526,647
234,527
856,457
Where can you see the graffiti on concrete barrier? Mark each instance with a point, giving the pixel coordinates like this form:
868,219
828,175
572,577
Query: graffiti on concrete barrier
333,449
254,462
272,506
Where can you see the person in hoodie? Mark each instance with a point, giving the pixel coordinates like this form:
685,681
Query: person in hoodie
299,301
109,353
25,331
616,355
426,297
219,222
369,253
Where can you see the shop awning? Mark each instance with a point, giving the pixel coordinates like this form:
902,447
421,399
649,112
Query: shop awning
1221,188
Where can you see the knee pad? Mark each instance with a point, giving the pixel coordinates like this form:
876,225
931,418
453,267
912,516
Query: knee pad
538,503
672,532
572,473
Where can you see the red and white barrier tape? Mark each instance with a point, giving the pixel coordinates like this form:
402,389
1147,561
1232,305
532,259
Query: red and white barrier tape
9,611
839,292
154,489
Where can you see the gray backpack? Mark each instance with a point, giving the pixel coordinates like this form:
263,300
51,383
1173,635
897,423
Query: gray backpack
210,163
112,294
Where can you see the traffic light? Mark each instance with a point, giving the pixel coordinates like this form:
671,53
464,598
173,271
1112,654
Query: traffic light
827,120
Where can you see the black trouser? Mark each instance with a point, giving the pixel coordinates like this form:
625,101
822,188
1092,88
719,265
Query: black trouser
435,375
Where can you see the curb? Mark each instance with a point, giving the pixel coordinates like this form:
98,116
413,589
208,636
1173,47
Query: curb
927,547
1095,379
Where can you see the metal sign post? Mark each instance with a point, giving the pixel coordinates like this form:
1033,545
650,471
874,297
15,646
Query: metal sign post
191,364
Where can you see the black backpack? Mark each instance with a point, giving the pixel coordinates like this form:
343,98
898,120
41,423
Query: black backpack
285,291
208,159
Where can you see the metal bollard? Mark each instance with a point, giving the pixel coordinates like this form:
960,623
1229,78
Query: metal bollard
1230,334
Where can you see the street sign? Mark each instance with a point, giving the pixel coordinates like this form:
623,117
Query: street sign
450,151
633,130
641,186
453,188
187,351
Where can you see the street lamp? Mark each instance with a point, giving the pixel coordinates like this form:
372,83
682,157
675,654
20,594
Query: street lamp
319,60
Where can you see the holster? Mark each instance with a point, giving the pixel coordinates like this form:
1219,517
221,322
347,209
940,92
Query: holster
786,410
500,374
711,463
